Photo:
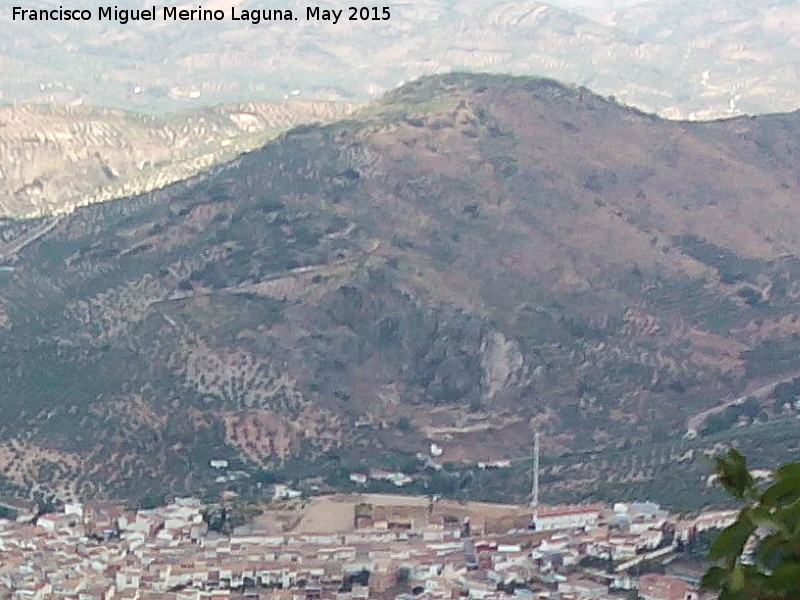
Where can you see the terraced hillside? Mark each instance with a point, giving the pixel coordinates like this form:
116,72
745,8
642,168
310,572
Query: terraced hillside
470,259
54,158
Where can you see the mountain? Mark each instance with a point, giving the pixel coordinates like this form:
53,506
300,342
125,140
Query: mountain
57,157
682,59
466,261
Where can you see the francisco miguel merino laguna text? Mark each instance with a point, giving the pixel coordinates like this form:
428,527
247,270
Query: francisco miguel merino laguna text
173,13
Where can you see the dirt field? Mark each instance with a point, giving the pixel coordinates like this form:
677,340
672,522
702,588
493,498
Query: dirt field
392,500
327,514
335,514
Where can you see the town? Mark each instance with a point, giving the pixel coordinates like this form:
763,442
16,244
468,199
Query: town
348,547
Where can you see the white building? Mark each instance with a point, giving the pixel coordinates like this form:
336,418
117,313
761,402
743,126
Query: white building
566,517
74,508
284,492
359,478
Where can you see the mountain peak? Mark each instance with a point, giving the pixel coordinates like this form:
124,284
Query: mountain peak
469,259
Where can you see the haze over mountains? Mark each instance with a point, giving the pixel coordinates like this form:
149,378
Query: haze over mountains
54,158
469,259
682,59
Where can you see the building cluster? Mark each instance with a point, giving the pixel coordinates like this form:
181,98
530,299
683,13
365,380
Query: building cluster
391,552
398,478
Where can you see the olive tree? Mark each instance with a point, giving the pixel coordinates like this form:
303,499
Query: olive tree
759,554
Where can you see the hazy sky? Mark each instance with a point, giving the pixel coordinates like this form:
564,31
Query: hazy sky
594,6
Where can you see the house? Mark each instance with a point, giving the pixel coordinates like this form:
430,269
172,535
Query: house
75,509
583,588
379,474
661,587
642,515
718,519
359,478
397,478
284,492
496,464
53,522
400,479
566,517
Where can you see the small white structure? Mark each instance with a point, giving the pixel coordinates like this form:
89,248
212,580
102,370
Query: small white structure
74,509
284,492
218,463
400,479
359,478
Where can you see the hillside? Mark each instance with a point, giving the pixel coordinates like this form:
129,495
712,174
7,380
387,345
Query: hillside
469,259
57,157
681,59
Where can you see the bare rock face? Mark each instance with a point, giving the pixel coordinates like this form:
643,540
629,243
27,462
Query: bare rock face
502,363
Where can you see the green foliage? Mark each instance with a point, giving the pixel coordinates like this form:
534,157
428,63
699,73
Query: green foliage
773,356
715,423
786,392
225,518
595,562
749,295
306,275
759,554
153,500
648,566
45,503
264,477
731,266
216,518
697,546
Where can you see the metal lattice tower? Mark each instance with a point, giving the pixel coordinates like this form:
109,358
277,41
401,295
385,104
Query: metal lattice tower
535,490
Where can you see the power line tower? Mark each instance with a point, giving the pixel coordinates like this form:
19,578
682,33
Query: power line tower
535,490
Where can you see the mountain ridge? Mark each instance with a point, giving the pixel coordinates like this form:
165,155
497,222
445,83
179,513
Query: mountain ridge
58,157
674,58
472,258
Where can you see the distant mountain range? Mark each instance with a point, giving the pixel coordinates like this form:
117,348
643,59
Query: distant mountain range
466,261
682,59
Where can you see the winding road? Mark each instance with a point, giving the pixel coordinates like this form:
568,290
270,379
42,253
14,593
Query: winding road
695,422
